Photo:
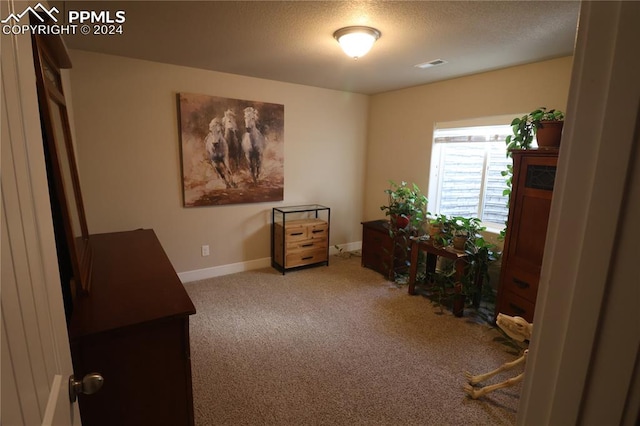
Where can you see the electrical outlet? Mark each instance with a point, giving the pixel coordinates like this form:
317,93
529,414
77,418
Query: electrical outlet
205,250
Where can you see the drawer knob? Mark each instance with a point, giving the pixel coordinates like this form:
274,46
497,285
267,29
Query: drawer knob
315,231
521,284
307,258
307,245
296,233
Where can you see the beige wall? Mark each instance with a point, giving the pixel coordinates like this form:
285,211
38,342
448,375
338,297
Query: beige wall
401,122
129,159
126,127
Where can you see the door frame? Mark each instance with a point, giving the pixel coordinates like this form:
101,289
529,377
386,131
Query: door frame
584,357
36,360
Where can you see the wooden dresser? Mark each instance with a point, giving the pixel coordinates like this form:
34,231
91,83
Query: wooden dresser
534,172
300,236
301,242
377,247
133,328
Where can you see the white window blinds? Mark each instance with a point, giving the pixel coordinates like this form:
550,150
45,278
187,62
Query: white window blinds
465,178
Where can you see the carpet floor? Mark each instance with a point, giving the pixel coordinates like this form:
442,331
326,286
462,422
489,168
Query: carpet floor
337,345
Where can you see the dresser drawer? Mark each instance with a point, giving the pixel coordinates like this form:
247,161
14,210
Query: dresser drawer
317,230
307,244
305,257
375,240
298,248
304,229
521,283
293,232
514,305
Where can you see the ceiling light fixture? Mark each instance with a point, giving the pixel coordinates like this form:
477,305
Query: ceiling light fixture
356,41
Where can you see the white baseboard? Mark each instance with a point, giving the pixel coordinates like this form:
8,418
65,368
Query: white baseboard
346,247
218,271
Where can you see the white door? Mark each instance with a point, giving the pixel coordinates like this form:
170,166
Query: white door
36,361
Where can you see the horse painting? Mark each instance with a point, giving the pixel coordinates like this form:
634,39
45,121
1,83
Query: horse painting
253,142
232,150
218,152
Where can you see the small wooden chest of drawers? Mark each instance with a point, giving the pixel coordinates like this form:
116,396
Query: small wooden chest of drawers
377,247
301,242
298,242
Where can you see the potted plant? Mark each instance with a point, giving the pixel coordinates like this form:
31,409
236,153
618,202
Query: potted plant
545,125
468,289
439,227
465,229
442,283
480,255
526,127
407,210
548,126
407,205
445,289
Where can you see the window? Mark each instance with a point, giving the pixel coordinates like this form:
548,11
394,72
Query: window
466,179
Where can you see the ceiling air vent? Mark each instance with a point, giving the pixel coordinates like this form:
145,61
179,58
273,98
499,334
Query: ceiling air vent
430,64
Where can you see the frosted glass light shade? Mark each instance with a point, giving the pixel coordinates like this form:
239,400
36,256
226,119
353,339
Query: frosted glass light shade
356,41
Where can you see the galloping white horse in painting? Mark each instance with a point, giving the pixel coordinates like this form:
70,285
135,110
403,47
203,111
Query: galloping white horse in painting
253,142
218,152
233,141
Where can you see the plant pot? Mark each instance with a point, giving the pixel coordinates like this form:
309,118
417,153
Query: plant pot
434,230
459,242
436,235
549,133
401,221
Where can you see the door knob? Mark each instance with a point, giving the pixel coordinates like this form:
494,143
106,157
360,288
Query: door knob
90,384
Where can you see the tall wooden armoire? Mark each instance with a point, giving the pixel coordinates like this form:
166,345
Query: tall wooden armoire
534,172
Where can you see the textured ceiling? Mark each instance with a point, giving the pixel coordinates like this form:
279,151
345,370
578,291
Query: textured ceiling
292,41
